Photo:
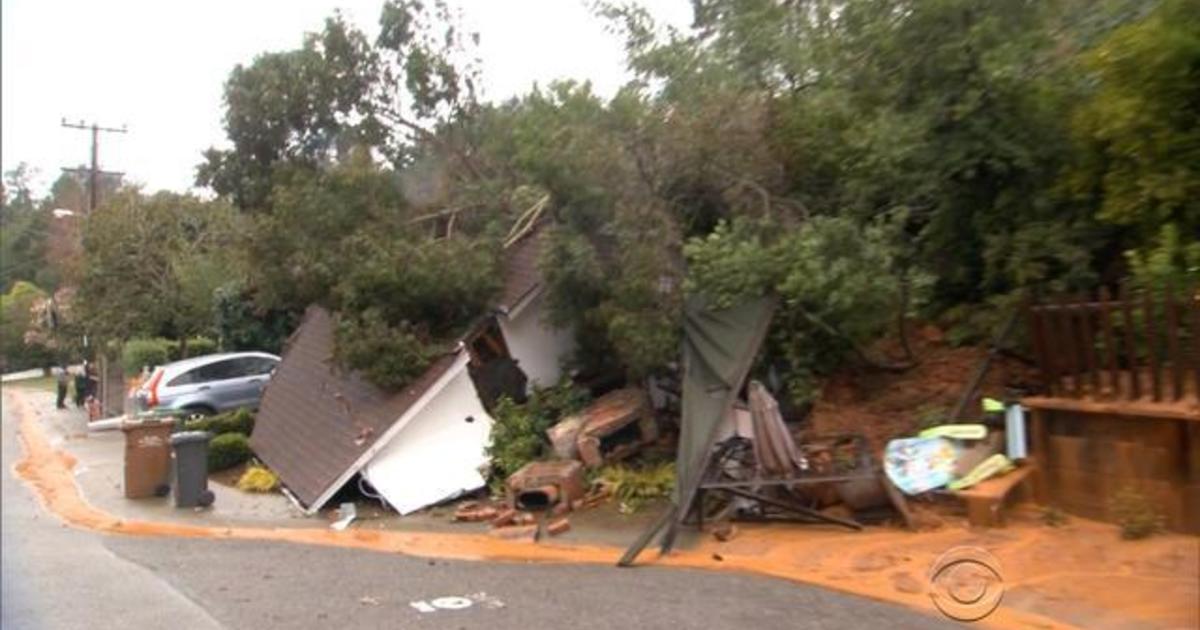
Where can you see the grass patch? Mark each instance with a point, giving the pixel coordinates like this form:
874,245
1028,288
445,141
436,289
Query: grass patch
1135,514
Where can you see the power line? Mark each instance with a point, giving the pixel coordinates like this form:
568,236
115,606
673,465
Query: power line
94,172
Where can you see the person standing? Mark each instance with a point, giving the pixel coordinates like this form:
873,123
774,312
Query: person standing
91,400
81,387
64,379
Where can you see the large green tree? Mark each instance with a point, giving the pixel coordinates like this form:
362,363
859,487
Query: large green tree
23,229
18,317
1139,127
153,263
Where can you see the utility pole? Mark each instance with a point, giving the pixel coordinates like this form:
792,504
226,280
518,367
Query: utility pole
94,172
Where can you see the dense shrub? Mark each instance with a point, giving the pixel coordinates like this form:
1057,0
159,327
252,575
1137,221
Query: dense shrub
838,287
519,433
196,347
389,356
18,350
240,326
633,487
200,346
144,352
239,421
157,351
406,298
228,450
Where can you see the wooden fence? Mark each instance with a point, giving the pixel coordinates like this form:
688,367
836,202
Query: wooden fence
1136,346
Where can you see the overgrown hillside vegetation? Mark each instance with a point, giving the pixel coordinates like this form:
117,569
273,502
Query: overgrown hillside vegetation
866,161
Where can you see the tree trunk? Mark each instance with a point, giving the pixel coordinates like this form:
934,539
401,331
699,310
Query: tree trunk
901,328
854,347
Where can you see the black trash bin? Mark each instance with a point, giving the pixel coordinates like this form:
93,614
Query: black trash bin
191,469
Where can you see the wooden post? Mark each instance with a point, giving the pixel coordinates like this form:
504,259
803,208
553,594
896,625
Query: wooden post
1110,344
1069,353
1089,346
1194,300
1037,442
1173,345
1045,322
1130,344
1151,347
1032,318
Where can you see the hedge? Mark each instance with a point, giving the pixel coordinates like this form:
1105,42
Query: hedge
197,347
239,421
143,352
154,352
228,450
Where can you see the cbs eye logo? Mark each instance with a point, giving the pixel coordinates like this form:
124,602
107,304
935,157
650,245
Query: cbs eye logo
966,583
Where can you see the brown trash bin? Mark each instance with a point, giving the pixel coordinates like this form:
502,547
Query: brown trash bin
147,457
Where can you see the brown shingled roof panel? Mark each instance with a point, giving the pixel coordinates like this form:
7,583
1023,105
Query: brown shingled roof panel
521,273
315,421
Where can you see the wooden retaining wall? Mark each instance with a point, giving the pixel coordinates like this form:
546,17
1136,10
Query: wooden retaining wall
1119,405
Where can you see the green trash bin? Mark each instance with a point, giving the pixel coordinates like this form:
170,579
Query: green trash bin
191,469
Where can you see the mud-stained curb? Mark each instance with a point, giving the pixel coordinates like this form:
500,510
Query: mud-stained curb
49,472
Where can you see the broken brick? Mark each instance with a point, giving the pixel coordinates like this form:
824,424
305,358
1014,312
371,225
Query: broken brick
612,418
475,514
504,517
515,532
558,526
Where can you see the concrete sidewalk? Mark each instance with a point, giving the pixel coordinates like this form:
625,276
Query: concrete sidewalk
99,471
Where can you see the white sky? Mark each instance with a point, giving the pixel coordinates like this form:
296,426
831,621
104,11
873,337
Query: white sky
159,67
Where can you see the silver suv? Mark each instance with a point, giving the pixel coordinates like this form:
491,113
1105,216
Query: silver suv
209,384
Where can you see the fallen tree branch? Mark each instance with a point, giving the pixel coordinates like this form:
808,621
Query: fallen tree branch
428,135
901,329
526,221
854,347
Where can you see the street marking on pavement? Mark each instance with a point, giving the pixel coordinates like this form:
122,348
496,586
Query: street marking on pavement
456,602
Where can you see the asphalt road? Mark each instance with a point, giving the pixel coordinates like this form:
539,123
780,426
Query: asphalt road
60,578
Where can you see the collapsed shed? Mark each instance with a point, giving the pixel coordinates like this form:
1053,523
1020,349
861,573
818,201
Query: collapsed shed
318,425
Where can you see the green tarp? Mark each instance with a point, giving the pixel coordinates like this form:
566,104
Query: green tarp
719,346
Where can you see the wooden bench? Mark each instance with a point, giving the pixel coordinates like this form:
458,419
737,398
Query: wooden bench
985,500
